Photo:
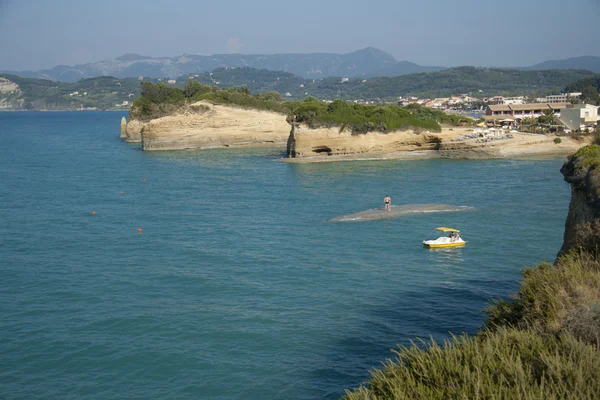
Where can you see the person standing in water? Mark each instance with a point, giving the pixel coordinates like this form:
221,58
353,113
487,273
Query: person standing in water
387,201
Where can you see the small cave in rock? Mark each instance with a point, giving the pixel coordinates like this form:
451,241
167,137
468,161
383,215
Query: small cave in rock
322,149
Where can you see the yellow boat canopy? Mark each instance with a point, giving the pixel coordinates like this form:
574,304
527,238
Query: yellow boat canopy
444,229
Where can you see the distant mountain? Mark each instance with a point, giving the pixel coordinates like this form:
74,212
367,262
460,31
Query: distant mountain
367,62
590,63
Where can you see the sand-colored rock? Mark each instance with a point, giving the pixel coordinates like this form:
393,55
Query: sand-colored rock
203,126
327,142
123,128
134,131
325,145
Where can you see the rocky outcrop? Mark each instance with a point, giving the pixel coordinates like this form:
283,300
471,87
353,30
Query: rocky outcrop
123,128
306,142
204,125
582,172
134,131
336,144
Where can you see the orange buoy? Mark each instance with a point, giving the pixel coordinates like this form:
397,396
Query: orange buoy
93,212
139,230
122,192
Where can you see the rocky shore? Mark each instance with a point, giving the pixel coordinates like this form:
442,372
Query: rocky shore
307,145
204,125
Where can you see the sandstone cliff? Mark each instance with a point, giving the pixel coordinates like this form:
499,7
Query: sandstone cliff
133,131
307,142
203,125
334,144
582,228
123,128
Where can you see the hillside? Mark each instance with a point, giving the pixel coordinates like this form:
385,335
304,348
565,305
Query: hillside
589,88
361,63
479,81
41,94
591,63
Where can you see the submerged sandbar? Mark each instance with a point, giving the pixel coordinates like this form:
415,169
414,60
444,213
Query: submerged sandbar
398,211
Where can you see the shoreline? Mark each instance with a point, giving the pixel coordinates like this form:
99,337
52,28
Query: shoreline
519,146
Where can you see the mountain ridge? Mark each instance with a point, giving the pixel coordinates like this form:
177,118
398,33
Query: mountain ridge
367,62
363,63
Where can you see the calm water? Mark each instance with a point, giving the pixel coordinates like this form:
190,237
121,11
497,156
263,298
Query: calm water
239,287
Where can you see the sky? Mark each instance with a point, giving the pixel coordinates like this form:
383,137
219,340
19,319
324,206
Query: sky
37,34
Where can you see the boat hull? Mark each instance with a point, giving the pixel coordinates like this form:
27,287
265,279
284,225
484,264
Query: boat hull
440,245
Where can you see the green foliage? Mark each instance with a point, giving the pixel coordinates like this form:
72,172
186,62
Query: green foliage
361,118
557,140
490,81
158,100
555,298
103,92
162,93
586,157
506,364
438,115
589,88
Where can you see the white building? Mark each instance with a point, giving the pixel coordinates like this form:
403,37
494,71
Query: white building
579,116
171,81
557,98
514,100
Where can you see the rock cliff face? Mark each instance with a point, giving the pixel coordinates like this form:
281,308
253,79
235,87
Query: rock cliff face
582,172
307,142
134,131
204,125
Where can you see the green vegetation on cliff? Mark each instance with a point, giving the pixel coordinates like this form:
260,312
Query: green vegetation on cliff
158,100
366,118
541,344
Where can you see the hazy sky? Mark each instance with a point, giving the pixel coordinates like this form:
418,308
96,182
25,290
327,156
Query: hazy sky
37,34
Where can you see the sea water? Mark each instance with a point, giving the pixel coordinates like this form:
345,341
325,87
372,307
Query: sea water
239,286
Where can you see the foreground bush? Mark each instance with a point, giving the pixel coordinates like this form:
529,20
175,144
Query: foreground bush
555,298
506,364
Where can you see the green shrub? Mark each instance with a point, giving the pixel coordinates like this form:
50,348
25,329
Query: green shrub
506,364
555,298
158,100
557,140
360,118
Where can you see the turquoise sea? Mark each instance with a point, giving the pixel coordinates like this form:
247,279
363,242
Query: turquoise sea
238,286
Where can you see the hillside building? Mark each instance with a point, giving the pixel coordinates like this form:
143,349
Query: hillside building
579,116
520,111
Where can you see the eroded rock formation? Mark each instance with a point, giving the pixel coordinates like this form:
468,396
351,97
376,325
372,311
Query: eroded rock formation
307,142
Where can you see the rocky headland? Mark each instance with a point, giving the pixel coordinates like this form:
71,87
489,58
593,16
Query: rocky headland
204,125
307,145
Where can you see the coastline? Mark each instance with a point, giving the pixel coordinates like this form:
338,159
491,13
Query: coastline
521,146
